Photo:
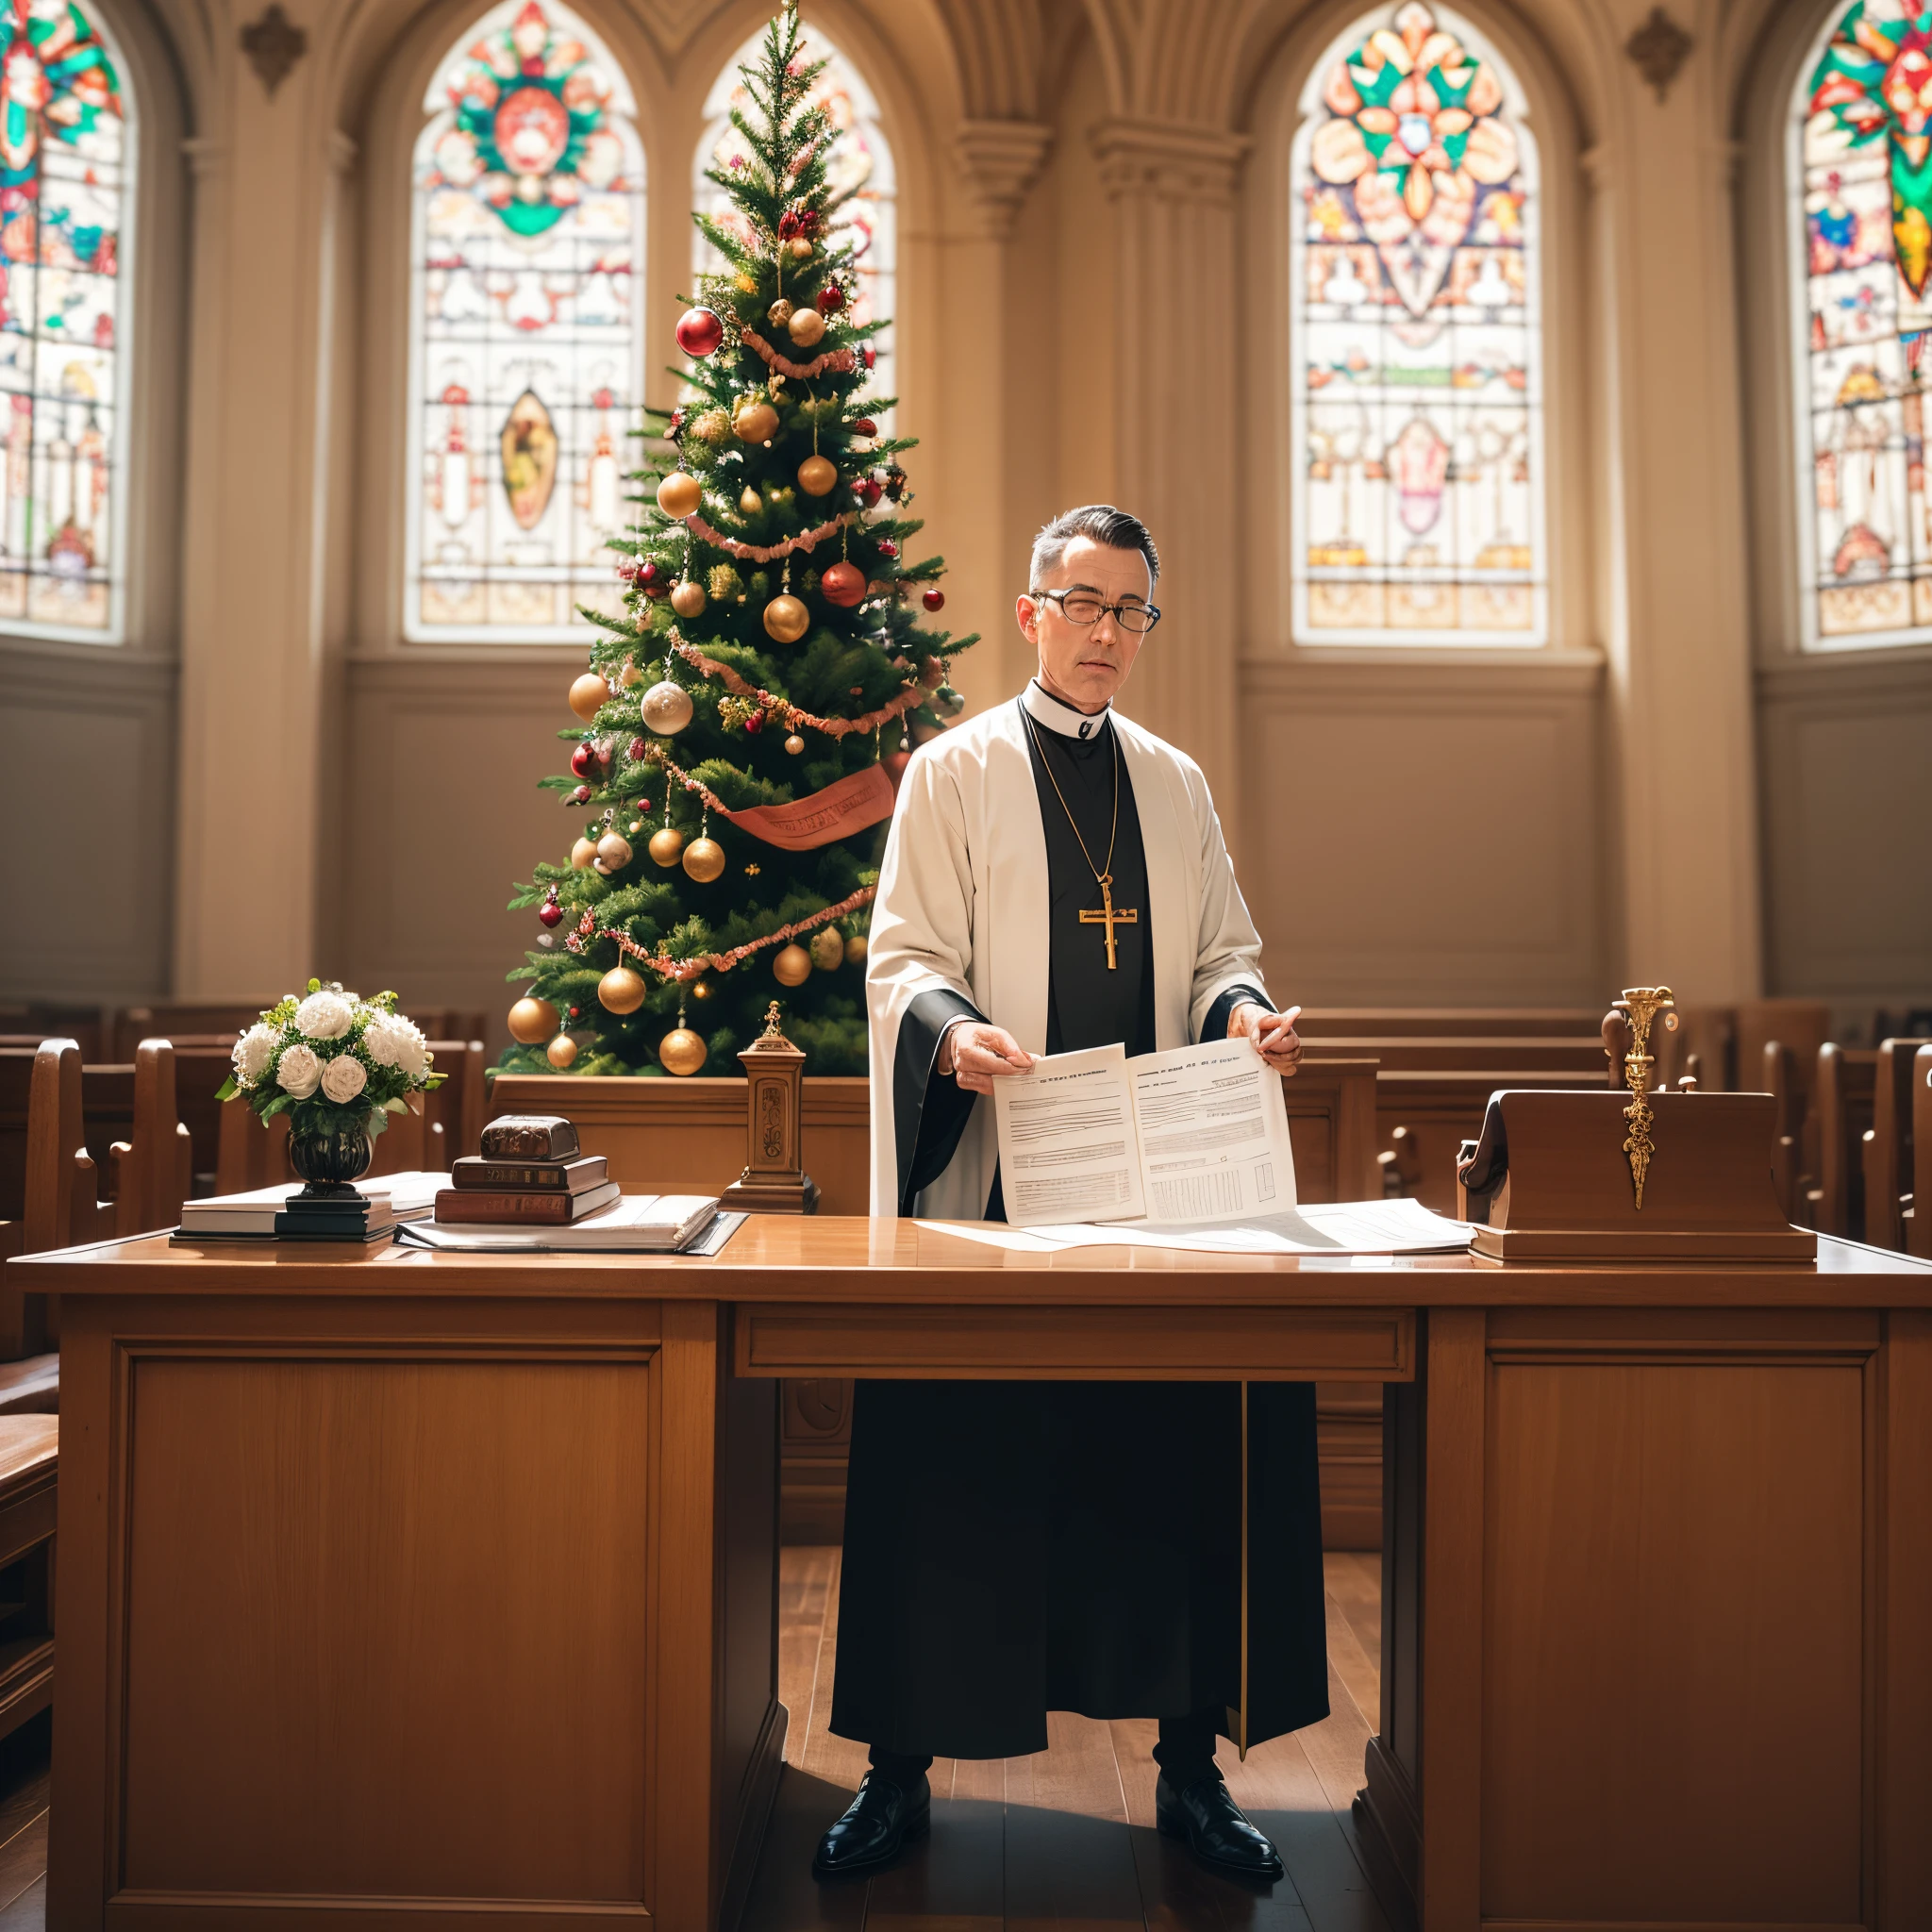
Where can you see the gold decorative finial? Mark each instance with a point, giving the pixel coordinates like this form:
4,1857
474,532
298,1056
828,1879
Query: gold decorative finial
772,1030
1640,1005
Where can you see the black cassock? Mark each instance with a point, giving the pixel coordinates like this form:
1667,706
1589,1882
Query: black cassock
1013,1548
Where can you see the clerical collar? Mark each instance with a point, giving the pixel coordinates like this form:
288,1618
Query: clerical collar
1044,709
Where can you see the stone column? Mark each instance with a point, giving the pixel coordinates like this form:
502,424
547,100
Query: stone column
1677,614
251,691
1172,187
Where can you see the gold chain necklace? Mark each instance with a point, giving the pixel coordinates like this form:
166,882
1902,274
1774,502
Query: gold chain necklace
1109,915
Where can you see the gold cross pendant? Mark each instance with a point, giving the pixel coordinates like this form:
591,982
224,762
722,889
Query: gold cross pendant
1109,916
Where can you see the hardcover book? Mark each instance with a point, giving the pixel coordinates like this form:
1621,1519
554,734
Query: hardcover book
544,1207
550,1176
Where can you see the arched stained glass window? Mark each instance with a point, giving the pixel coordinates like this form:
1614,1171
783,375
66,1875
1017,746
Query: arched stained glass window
67,147
1861,227
1417,388
525,366
859,170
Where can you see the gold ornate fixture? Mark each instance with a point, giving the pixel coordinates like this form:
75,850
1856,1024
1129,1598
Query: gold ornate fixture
1627,1029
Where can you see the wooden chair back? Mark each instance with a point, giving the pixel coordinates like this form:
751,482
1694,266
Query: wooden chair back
134,1132
1888,1145
1780,1077
1804,1025
202,1065
247,1154
1918,1218
1842,1096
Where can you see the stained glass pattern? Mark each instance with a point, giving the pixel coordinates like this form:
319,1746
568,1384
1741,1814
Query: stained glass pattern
1861,171
859,169
1417,397
66,179
526,368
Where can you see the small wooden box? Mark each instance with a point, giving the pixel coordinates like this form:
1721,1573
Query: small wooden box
1566,1194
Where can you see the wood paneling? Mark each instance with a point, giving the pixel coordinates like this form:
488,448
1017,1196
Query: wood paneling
1674,1561
409,1529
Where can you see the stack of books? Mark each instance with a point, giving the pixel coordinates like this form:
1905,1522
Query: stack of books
530,1173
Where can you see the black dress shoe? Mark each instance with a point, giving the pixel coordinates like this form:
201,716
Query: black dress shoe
1216,1832
875,1825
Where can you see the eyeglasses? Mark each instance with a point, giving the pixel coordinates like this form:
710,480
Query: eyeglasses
1083,609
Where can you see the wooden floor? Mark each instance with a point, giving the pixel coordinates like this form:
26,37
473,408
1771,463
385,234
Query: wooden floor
1064,1841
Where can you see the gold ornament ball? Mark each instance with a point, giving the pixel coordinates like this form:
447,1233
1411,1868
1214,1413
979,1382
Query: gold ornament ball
679,494
667,708
779,314
794,745
688,599
749,501
828,949
700,990
562,1052
613,852
754,422
792,967
787,619
666,846
704,859
817,474
532,1020
587,694
681,1051
807,328
855,949
583,854
622,990
801,251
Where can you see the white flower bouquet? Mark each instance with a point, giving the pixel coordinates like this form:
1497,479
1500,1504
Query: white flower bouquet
332,1061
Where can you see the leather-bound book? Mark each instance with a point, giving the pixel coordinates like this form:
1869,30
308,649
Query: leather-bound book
545,1176
545,1208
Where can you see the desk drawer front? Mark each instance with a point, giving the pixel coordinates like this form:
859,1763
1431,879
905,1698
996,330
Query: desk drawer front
1178,1344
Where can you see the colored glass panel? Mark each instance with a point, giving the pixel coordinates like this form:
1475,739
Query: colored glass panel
859,169
66,180
1861,206
1417,394
527,365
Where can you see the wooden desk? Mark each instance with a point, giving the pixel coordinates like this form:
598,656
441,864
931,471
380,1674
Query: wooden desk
400,1583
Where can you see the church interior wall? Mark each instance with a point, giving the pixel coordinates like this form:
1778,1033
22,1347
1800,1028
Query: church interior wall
1092,282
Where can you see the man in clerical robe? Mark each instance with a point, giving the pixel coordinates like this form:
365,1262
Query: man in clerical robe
1015,1548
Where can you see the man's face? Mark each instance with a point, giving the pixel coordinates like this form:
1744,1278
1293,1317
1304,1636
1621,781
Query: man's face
1084,665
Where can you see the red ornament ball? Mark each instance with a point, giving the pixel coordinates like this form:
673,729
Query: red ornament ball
584,758
830,299
870,490
788,225
934,600
842,584
699,332
755,722
575,1014
886,547
551,914
865,427
638,749
580,796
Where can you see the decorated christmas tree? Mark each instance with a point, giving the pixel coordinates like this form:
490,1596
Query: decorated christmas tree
745,720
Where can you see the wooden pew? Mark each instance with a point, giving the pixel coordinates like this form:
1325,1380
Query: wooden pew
1844,1092
1886,1152
1789,1173
135,1134
27,1024
30,1453
1918,1218
249,1155
457,1107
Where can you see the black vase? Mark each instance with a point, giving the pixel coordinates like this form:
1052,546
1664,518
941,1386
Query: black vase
330,1159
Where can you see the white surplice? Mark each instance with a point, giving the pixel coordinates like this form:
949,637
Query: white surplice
962,905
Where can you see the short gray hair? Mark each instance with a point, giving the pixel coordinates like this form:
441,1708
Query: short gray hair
1119,530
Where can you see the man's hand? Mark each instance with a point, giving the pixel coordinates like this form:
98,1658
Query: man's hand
1273,1034
977,1054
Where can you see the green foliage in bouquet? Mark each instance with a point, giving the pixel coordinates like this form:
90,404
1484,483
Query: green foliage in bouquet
331,1059
774,645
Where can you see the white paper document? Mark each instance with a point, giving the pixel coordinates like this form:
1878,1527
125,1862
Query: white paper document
1338,1231
1194,1137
